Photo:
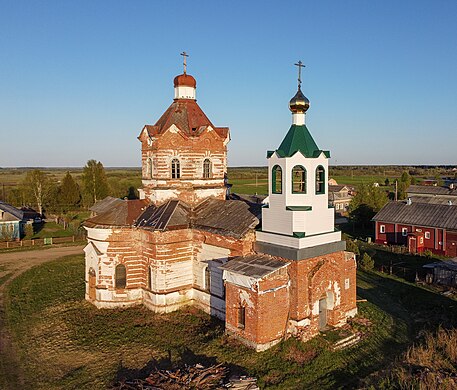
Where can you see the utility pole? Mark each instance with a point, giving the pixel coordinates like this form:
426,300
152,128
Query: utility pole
396,190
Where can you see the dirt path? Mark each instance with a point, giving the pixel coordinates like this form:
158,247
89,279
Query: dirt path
12,265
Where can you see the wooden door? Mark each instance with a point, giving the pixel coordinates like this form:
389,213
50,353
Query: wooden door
412,244
451,248
322,314
92,282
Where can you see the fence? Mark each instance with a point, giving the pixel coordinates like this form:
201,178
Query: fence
40,242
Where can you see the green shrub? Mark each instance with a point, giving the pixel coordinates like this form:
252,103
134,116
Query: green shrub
367,263
351,246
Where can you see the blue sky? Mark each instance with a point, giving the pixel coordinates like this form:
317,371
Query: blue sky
79,79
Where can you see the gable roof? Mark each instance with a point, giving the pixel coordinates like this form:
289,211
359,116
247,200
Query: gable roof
14,213
420,214
168,215
298,138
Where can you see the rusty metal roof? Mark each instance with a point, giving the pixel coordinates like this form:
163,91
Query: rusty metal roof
419,214
254,266
226,217
121,214
187,115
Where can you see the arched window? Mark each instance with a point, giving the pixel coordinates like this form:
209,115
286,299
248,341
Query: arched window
175,169
149,168
276,180
298,180
206,169
320,180
120,276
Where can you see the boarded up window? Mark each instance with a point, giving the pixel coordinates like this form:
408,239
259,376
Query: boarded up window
149,169
149,278
207,279
241,317
120,276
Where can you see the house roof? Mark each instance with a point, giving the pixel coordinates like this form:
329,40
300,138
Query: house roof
419,214
105,204
14,214
298,138
431,199
431,190
187,115
253,266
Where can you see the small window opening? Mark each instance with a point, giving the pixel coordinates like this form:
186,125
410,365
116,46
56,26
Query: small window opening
298,179
320,180
277,180
241,317
120,276
175,169
206,169
207,279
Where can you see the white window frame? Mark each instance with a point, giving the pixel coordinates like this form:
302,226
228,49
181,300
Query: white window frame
427,235
382,228
404,232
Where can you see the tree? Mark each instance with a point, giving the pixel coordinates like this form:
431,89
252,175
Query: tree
38,185
94,180
387,181
406,178
367,263
366,203
69,193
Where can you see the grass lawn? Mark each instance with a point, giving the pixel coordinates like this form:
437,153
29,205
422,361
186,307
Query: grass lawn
248,186
51,229
65,342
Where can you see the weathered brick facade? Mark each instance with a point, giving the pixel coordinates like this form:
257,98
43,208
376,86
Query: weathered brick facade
183,243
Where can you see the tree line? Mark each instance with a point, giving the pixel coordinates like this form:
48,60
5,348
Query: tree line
44,193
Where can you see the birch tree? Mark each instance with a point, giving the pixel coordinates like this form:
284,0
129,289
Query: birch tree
95,184
37,185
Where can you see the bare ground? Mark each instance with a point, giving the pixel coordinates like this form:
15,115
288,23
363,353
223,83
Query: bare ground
12,265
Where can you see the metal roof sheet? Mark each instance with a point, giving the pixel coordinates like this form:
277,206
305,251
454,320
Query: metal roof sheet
419,214
15,213
254,266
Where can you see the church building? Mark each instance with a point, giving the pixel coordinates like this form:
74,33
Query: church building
270,271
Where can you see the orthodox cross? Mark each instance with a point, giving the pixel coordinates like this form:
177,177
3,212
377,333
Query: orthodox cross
184,55
300,65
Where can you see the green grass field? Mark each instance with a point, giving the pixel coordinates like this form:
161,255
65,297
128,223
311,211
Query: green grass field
65,342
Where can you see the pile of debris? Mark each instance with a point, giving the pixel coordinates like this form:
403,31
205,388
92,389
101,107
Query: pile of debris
189,377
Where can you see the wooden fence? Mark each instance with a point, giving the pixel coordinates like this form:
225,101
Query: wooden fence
40,242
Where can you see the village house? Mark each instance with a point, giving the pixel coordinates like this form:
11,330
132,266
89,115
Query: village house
339,197
419,226
11,222
269,271
433,194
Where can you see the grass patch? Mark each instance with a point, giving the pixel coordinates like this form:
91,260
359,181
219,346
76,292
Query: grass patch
4,278
66,342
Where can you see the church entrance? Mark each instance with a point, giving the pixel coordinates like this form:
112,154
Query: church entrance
322,313
92,281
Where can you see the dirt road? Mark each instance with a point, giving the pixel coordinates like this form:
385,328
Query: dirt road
12,265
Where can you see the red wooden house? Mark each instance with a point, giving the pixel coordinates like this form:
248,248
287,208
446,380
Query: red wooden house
419,226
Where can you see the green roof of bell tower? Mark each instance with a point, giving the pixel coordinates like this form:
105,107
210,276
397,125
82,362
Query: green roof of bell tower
298,138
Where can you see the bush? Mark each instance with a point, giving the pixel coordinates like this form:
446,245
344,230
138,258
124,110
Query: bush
351,246
367,263
297,355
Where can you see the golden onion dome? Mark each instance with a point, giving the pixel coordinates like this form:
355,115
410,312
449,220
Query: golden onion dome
299,103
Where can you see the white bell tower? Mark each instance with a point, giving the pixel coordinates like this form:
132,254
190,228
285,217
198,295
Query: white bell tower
298,215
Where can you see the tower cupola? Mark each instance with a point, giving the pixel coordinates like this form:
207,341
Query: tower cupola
185,85
299,104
